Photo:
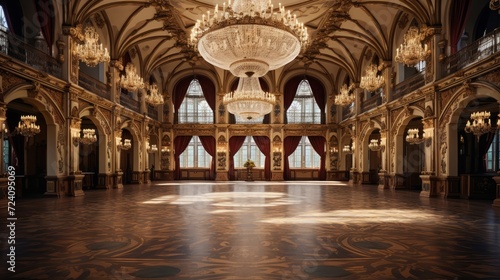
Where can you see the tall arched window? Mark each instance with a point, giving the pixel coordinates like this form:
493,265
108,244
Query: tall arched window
304,108
249,150
304,156
194,107
3,32
3,20
195,155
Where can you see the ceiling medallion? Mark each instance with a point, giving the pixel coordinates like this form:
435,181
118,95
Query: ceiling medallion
249,38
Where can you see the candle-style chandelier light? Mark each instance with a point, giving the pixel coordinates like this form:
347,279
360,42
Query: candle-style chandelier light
88,137
249,38
125,145
412,51
153,96
371,81
152,148
413,136
345,97
131,81
374,145
90,51
480,123
347,149
27,127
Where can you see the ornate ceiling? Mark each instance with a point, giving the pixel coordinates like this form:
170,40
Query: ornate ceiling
344,34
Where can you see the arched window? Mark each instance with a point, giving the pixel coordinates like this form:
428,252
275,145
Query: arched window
3,20
3,32
249,150
304,156
304,108
194,107
195,155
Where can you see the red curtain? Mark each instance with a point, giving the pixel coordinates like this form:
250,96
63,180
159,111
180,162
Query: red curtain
290,91
180,144
264,145
289,144
180,91
319,95
208,143
235,144
208,92
46,13
318,144
459,10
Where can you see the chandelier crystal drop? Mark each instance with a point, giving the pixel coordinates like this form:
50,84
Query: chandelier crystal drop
249,36
131,81
413,138
480,123
91,52
371,81
27,126
89,136
154,97
345,98
411,51
249,101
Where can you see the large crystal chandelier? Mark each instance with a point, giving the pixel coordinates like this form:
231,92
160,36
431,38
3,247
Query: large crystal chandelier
413,136
153,97
89,136
249,38
371,81
131,80
27,126
480,124
411,51
91,52
249,101
345,98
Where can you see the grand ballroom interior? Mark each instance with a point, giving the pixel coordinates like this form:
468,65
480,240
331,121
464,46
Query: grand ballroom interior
192,139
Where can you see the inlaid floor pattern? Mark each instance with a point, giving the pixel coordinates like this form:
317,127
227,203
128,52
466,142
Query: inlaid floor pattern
253,230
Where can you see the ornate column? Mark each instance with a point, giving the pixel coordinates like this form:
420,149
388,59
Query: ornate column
383,176
428,175
118,173
277,159
222,148
75,178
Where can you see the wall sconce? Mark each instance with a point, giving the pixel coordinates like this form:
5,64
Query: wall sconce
165,150
375,146
334,150
75,139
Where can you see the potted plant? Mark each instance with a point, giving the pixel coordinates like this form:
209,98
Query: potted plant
249,164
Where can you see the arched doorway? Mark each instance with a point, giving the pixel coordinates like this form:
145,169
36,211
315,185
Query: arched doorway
413,157
127,158
89,158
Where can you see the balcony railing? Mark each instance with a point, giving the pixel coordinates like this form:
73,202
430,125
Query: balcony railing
371,103
408,85
152,112
475,52
28,54
93,85
129,102
347,112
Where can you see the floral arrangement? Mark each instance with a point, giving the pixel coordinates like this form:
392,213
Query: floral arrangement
249,164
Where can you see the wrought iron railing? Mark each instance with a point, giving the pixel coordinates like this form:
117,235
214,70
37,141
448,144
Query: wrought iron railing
93,85
475,52
28,54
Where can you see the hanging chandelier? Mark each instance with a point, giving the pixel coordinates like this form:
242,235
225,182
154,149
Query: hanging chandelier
480,123
125,145
89,136
249,101
131,81
345,98
91,52
347,149
411,51
152,149
27,126
371,81
413,138
154,98
249,38
374,145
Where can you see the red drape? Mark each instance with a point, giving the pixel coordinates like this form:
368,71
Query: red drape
180,144
319,95
318,144
209,144
264,145
180,91
290,91
235,144
459,10
208,92
289,144
45,15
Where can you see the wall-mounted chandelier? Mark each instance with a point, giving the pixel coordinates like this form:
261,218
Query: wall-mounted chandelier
153,96
412,51
27,127
375,146
371,81
249,101
345,97
413,136
90,51
480,123
249,38
131,81
88,137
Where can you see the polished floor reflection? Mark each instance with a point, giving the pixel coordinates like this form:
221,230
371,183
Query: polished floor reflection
254,230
